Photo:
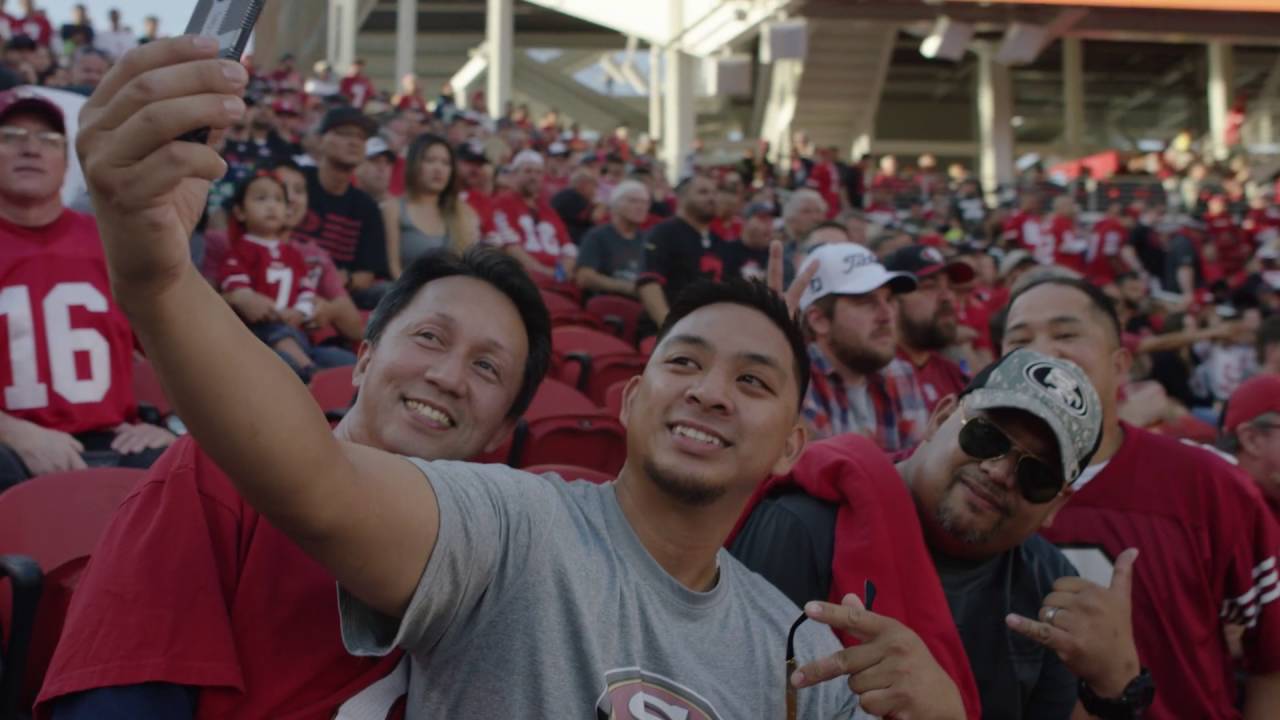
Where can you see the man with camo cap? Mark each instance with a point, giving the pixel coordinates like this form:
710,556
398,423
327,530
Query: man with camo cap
996,464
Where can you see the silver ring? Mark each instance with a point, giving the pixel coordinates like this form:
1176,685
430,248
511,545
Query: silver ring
1050,613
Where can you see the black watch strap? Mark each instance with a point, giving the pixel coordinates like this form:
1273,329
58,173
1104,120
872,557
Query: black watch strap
1132,703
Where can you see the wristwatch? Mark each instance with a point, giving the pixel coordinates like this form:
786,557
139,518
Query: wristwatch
1131,705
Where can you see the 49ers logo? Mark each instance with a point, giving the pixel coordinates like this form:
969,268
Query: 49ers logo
633,694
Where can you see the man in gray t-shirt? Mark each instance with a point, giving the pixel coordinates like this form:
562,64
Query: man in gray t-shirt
507,616
611,256
472,578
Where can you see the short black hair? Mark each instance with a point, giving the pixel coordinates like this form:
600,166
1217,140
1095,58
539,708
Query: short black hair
499,270
1268,335
755,295
1097,298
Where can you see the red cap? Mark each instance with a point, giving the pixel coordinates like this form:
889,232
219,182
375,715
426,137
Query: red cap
1255,397
25,99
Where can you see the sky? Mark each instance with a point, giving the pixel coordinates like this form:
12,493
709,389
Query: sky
173,14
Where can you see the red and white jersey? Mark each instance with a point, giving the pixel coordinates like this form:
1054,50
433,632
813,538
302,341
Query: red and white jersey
35,26
1068,246
1208,557
483,205
1029,232
67,360
190,586
825,178
358,89
539,231
272,268
1106,238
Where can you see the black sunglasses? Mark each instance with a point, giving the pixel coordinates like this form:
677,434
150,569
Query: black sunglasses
1038,481
869,598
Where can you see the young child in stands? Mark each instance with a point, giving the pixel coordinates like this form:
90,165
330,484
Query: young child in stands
265,279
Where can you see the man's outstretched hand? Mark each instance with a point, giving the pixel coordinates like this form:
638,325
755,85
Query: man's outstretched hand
148,188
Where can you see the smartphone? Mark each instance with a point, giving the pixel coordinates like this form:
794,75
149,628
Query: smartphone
231,22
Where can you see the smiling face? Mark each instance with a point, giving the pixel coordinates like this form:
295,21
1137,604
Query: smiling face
442,377
972,508
715,411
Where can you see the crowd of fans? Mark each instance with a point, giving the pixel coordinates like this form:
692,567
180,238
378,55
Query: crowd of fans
1009,348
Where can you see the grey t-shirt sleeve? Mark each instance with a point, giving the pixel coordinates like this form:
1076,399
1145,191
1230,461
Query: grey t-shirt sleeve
493,520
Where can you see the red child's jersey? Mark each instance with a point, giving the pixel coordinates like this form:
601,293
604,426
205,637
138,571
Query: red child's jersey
1208,557
272,268
1105,240
190,586
539,231
67,360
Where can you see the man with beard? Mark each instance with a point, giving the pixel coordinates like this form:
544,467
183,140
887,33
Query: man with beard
858,385
927,319
1207,538
994,467
680,251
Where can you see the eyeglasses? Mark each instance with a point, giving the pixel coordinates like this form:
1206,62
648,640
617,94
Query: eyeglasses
13,136
869,597
1038,481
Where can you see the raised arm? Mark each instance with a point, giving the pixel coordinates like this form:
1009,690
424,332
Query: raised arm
367,515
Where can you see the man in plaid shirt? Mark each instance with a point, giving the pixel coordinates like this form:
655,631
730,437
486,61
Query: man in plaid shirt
858,385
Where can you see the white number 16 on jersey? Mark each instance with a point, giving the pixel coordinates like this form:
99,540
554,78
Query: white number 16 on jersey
27,392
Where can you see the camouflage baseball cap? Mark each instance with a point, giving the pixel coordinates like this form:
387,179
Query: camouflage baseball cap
1056,391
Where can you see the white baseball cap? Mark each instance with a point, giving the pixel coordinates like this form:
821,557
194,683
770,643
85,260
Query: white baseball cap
850,269
527,157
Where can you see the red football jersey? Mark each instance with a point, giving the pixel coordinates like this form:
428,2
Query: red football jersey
67,362
271,268
1208,545
1067,245
540,232
729,230
1234,248
825,178
483,205
939,377
1029,232
358,89
190,586
1105,240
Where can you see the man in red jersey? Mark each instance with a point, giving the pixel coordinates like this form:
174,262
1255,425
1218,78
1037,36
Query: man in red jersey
1207,541
1064,238
1103,261
529,229
194,606
1251,432
475,183
1025,229
927,319
67,367
1233,246
356,87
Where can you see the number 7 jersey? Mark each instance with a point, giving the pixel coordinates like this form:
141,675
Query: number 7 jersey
68,351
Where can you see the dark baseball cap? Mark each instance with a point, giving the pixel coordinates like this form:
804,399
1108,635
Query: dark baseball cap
472,152
924,261
347,115
26,100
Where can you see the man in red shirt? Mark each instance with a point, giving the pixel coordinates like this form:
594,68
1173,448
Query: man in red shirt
194,606
1232,246
356,87
1064,238
475,182
1251,432
1107,238
927,320
67,360
529,229
825,178
33,23
1207,541
1024,229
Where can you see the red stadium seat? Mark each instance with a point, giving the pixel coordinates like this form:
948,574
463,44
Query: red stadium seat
332,389
572,472
592,360
564,288
567,312
618,313
56,521
563,426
